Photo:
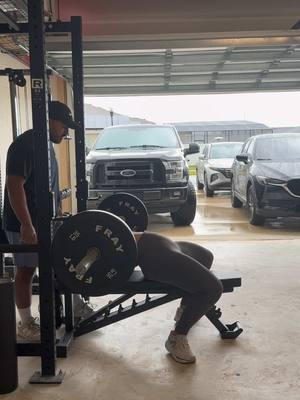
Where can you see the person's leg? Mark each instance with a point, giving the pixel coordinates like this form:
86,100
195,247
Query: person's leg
200,254
169,265
25,263
193,306
23,286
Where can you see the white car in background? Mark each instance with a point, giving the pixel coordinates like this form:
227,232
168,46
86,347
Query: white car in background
214,166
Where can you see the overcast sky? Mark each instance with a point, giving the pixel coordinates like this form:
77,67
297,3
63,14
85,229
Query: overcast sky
272,109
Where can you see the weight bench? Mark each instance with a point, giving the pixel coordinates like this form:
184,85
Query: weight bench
164,293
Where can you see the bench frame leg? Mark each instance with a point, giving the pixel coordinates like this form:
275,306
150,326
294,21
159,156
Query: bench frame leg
107,316
227,331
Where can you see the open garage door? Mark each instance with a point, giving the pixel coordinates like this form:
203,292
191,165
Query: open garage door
142,48
224,69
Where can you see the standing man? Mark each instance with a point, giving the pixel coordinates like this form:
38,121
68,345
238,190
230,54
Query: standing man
20,212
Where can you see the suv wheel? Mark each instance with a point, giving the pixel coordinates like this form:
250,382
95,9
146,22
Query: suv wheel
186,213
254,218
208,192
235,202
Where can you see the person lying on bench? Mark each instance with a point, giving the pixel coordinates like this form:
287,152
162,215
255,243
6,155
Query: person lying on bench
187,266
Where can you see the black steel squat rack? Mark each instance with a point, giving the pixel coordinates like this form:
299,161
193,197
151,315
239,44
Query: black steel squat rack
36,28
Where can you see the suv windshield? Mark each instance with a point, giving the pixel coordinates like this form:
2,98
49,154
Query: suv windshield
226,150
137,137
278,149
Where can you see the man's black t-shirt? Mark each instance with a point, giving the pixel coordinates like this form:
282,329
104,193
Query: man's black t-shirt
20,162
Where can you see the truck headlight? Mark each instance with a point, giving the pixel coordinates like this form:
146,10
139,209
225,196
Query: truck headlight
88,168
174,170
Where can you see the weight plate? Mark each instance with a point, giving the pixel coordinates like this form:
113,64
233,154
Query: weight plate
93,250
129,208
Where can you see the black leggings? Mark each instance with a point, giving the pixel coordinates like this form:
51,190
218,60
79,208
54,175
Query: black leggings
186,266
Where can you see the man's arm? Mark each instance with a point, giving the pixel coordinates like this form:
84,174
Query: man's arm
18,201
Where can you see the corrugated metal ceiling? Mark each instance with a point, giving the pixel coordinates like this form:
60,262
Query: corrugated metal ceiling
123,57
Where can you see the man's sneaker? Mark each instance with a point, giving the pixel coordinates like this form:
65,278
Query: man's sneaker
29,330
179,348
179,313
83,309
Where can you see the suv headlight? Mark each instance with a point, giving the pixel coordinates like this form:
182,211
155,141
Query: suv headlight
263,180
174,170
215,168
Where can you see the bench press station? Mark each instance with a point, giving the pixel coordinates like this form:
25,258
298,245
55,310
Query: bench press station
80,276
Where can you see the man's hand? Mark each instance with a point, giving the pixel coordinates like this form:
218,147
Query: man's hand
28,234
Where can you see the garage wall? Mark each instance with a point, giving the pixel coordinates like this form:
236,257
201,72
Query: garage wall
23,103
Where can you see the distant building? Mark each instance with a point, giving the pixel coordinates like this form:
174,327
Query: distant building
227,131
97,118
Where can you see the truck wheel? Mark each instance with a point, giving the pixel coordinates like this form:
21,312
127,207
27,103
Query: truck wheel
186,213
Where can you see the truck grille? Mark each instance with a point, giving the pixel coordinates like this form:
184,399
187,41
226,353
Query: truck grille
294,186
128,173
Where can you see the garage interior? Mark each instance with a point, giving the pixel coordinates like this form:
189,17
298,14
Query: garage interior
165,48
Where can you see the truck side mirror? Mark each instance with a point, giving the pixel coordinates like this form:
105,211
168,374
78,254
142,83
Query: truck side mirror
242,158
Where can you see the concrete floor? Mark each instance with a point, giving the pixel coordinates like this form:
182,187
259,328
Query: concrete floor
127,360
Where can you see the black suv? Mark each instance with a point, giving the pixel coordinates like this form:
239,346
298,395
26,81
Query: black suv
266,177
146,161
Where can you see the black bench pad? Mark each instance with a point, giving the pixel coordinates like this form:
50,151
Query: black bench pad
137,284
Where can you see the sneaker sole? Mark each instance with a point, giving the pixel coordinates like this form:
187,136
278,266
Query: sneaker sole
178,359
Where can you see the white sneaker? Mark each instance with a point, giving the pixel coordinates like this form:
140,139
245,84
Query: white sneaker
29,330
83,309
179,348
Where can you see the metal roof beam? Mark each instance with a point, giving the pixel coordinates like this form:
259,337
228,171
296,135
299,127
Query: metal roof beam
101,71
182,41
122,60
191,79
187,89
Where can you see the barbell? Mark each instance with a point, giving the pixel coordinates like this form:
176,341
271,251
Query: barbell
96,249
93,250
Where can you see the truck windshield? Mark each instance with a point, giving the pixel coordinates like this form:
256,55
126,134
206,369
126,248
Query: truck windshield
278,148
226,150
137,137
